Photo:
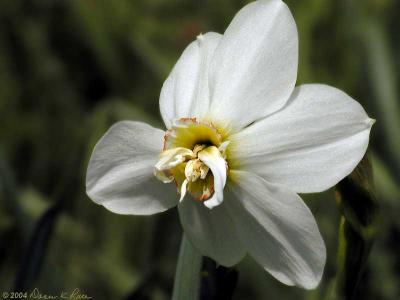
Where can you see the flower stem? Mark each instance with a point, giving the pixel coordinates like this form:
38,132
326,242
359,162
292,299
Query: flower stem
187,276
358,227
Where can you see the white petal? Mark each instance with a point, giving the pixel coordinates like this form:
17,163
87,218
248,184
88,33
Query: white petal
254,68
213,159
185,93
316,140
277,229
212,232
120,172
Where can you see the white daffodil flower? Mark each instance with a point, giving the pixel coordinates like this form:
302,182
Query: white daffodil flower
241,142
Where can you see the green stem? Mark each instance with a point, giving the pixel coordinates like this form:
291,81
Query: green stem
187,276
358,226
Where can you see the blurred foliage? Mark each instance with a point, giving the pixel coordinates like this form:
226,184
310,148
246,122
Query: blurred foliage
71,68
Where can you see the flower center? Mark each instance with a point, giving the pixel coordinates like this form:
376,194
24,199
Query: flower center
194,158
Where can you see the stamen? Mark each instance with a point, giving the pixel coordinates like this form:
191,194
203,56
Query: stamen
204,171
195,169
198,148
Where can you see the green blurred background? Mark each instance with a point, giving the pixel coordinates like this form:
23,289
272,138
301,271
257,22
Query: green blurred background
71,68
